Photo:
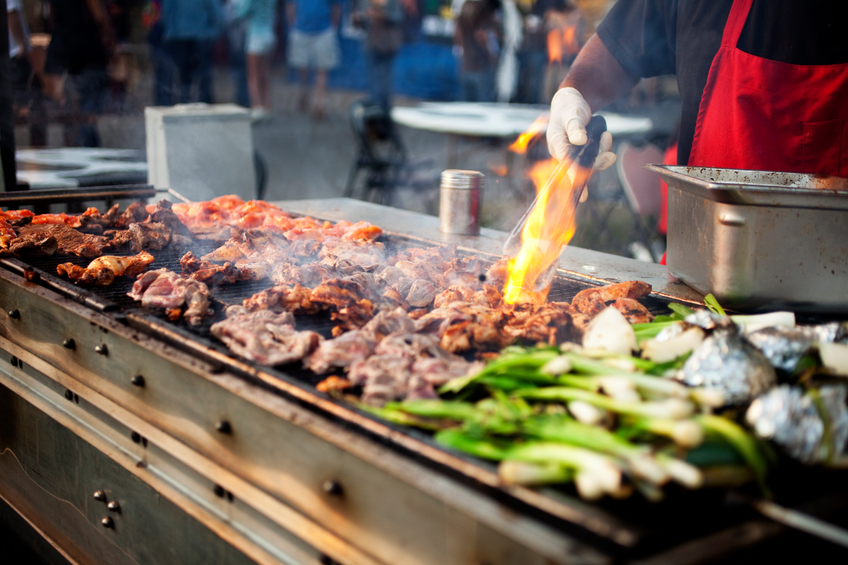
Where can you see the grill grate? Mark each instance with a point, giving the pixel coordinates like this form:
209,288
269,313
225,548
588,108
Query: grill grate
114,297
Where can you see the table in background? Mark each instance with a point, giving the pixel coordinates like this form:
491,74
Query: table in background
495,120
72,167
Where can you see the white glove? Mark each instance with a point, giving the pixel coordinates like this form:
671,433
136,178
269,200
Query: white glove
569,115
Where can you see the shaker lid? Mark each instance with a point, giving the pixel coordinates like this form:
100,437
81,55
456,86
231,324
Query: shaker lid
462,180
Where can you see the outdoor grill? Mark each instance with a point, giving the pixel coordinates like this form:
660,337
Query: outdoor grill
212,455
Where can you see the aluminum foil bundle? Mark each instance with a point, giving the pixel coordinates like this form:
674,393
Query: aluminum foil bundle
726,362
789,417
707,320
784,347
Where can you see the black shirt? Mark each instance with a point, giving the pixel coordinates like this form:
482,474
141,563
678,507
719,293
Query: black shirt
658,37
76,43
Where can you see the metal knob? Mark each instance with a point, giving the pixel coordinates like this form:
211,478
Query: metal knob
333,488
224,427
114,506
100,496
69,343
101,349
15,314
107,522
137,380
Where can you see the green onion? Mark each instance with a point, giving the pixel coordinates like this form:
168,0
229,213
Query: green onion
711,302
533,474
744,444
674,408
486,449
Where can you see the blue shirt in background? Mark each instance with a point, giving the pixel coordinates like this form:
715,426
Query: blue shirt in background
192,19
313,16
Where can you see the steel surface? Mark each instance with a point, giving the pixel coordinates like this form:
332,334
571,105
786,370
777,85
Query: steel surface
277,449
758,247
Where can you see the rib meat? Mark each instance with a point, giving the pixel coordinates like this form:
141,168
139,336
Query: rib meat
68,240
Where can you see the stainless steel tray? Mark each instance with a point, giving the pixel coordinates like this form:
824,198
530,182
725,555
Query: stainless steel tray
759,240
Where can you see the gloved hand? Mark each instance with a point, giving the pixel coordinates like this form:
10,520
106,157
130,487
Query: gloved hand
569,115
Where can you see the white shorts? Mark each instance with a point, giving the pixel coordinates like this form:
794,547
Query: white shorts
314,51
259,43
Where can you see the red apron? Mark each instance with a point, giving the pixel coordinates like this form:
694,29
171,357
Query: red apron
771,116
768,115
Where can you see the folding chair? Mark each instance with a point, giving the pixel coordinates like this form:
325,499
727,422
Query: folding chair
641,187
382,155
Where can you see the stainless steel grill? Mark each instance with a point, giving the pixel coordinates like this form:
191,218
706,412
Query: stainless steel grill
183,360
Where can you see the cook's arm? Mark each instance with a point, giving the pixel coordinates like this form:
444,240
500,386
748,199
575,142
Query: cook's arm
595,80
598,76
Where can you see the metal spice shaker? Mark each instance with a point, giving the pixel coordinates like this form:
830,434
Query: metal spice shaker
460,199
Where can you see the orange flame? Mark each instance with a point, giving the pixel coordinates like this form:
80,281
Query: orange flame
561,41
555,46
538,127
549,227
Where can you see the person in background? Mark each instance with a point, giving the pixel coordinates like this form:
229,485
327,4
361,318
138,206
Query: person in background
237,43
83,42
383,20
477,39
260,16
190,28
164,69
27,95
313,45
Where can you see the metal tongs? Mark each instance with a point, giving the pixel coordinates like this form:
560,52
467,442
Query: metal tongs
577,167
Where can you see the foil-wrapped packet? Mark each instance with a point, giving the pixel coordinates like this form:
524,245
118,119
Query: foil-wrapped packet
707,320
726,362
789,417
784,347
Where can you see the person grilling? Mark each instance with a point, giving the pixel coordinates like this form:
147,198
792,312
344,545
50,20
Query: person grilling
763,83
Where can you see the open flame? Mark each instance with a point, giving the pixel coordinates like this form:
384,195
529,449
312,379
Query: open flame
549,227
538,127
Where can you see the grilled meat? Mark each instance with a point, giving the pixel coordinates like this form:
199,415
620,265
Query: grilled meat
295,299
105,269
165,289
345,297
152,235
211,273
421,294
592,300
207,219
389,322
632,310
68,240
406,365
265,337
30,245
342,351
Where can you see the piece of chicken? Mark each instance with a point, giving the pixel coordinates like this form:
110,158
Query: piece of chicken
104,270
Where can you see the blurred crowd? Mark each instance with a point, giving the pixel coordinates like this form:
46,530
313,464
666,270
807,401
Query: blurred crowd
82,55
